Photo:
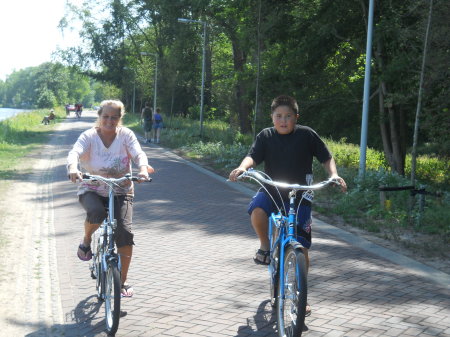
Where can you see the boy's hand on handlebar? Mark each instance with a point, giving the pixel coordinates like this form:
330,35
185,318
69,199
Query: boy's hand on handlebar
340,182
236,173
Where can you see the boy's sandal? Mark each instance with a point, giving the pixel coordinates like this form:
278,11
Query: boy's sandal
84,253
127,290
262,257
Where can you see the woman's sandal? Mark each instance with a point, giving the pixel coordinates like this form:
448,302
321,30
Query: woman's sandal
126,290
308,310
262,257
84,253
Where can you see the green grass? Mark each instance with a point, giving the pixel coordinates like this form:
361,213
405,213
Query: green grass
19,136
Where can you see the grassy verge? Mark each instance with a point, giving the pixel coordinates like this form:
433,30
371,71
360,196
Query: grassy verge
222,149
19,136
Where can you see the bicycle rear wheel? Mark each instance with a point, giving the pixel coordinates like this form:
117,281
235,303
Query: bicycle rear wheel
112,297
273,277
273,288
100,281
291,307
97,272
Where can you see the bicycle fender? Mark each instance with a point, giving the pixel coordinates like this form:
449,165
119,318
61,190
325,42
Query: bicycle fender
113,259
296,245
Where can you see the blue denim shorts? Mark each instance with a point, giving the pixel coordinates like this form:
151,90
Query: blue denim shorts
262,200
158,125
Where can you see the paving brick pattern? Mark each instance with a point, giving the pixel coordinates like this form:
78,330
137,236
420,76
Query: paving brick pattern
193,274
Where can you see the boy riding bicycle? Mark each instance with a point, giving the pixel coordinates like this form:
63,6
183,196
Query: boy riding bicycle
287,150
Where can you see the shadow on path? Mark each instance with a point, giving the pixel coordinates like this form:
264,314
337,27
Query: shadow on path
86,322
262,324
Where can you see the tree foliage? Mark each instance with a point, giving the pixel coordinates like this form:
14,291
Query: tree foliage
312,50
49,85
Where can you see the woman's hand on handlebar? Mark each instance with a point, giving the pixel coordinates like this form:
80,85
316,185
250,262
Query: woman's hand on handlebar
144,172
75,175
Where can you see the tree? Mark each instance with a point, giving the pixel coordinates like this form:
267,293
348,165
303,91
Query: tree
312,50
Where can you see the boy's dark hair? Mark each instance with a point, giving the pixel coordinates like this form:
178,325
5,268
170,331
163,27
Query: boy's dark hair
284,100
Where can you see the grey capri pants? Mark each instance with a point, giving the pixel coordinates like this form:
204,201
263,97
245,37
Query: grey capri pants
95,206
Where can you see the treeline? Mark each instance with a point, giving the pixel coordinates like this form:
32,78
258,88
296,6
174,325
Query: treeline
52,84
255,50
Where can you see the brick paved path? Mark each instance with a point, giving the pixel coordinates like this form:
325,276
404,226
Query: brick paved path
193,274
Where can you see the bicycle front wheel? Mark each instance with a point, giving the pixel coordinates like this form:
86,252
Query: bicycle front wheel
112,297
292,294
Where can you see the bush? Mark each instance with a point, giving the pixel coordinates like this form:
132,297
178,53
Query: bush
223,148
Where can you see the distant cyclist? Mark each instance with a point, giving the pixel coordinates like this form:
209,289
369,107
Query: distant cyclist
78,109
108,149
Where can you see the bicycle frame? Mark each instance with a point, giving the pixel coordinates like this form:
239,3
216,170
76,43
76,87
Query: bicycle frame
106,266
286,235
109,226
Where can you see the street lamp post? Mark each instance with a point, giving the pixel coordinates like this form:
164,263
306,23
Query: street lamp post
155,80
202,94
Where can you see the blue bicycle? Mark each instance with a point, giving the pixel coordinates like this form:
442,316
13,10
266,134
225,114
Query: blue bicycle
287,268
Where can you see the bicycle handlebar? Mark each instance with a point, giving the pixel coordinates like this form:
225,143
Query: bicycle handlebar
256,175
91,177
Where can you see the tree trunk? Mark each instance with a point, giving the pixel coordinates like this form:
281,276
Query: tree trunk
208,74
390,134
242,105
383,127
394,136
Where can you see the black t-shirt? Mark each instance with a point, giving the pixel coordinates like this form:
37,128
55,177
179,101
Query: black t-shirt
288,158
147,113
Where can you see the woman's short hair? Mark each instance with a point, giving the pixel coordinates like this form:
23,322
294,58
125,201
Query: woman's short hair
284,100
113,103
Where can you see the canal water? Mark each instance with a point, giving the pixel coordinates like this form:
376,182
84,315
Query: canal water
7,112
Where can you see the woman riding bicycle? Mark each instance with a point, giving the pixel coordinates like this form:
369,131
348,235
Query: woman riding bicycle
107,149
287,151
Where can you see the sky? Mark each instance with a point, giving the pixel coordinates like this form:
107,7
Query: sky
29,33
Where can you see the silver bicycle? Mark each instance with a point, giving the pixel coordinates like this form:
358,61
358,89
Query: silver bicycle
105,267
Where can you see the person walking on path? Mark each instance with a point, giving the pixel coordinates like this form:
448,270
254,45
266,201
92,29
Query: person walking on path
107,149
147,116
157,125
